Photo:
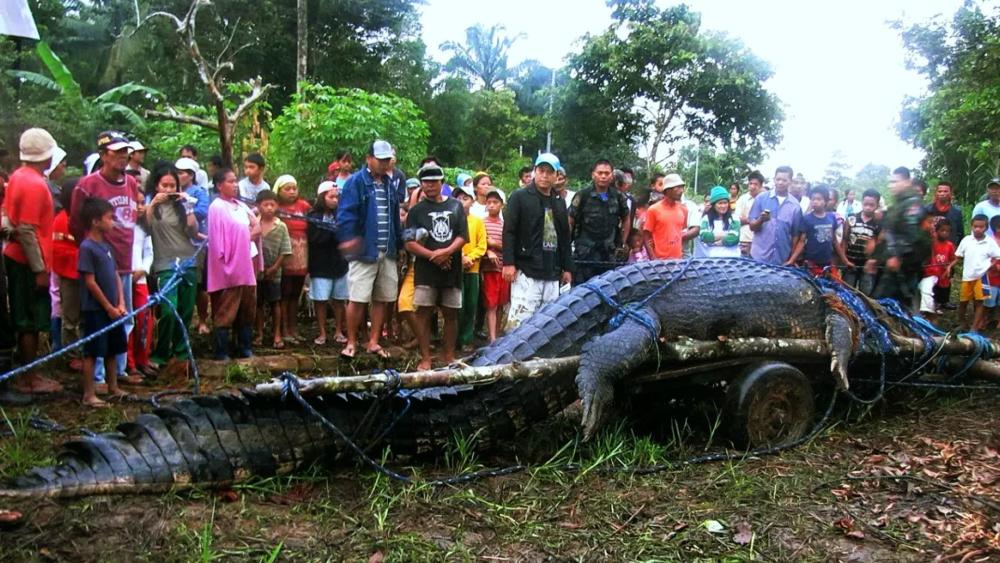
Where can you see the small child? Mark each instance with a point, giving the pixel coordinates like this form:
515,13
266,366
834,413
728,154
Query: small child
141,334
977,252
863,230
637,250
327,268
496,291
295,267
817,240
472,253
992,301
102,300
254,183
937,272
277,248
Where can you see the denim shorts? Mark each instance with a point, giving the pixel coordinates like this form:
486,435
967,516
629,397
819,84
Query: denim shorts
325,289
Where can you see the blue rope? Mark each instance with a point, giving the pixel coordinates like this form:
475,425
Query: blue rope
179,267
634,310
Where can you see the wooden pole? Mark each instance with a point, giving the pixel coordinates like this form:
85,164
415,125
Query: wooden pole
677,359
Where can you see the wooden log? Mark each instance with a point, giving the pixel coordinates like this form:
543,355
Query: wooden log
463,375
677,358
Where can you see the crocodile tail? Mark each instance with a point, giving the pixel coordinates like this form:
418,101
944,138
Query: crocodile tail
211,441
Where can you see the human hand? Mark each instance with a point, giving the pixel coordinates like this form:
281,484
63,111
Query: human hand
42,279
871,266
509,273
567,278
893,264
466,262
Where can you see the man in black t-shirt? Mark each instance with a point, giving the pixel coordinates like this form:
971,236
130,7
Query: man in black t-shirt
436,230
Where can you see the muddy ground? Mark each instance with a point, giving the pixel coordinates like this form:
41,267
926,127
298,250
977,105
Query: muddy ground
914,479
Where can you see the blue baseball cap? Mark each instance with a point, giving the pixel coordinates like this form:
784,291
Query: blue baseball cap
550,159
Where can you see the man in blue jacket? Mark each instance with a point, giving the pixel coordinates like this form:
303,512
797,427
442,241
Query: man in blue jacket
368,222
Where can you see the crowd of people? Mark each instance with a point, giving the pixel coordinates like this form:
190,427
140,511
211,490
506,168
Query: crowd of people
409,259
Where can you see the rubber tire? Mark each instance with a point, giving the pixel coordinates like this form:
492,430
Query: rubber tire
770,404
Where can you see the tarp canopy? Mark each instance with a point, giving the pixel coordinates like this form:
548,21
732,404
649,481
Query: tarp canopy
16,19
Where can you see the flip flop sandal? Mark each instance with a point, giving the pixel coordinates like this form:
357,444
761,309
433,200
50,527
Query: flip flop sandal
347,356
98,404
131,379
279,345
319,341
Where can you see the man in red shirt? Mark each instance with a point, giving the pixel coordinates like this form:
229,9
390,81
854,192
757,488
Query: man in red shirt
28,256
121,190
666,228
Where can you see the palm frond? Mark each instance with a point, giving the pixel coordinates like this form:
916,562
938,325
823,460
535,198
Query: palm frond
36,79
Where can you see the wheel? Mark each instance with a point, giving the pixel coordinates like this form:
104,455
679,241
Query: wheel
770,404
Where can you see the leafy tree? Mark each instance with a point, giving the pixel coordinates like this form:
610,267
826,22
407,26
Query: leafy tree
448,118
322,119
483,56
714,167
836,172
664,81
496,128
958,122
872,176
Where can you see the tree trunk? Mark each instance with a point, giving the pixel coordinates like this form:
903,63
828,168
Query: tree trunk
225,135
302,51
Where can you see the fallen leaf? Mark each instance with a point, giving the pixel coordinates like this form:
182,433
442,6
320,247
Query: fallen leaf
713,526
743,534
855,534
228,496
570,525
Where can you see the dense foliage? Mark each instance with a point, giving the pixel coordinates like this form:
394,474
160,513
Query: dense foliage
321,120
479,111
958,121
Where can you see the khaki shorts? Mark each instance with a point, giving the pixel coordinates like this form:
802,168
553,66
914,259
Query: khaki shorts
373,281
427,296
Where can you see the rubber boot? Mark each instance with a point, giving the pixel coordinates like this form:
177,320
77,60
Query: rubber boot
244,340
221,343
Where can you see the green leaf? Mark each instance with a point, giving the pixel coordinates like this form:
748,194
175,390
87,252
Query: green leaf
59,71
36,79
118,92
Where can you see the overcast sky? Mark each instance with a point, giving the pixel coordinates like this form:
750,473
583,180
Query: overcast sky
838,67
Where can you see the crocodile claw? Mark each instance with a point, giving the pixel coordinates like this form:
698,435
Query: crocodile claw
597,399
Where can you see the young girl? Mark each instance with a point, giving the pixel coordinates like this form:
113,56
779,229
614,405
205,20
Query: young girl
172,226
327,268
720,231
637,250
293,269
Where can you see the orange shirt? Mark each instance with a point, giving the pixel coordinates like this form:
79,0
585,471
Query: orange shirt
29,202
666,221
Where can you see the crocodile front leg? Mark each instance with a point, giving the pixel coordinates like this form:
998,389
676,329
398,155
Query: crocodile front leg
607,358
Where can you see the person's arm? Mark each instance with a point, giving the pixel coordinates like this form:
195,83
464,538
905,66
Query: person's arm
757,215
647,243
842,254
201,204
510,225
478,238
95,291
76,226
798,245
348,216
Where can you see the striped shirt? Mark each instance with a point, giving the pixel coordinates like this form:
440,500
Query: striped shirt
382,207
494,234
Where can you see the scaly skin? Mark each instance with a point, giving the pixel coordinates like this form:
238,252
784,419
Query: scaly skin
219,440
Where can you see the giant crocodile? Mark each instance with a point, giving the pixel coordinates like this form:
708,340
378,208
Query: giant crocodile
221,439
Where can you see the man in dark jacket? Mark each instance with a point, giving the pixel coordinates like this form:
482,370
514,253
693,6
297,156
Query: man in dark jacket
371,239
598,219
536,243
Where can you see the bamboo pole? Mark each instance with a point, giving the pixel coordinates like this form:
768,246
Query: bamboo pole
679,358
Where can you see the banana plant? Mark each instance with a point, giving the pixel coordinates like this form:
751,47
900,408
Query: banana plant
63,83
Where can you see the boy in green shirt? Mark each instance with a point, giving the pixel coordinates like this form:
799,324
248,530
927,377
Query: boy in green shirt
276,244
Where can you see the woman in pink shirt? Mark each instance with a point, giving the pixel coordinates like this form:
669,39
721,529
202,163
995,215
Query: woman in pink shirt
232,283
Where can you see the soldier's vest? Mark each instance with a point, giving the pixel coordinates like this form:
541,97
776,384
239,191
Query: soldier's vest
597,223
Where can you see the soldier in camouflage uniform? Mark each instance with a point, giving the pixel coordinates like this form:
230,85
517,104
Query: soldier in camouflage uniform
903,246
598,220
